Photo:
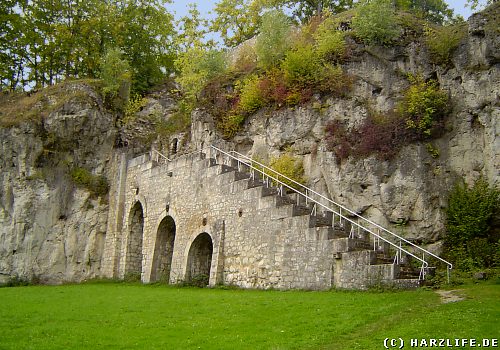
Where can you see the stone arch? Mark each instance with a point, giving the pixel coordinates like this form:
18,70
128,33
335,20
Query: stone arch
199,260
133,257
163,250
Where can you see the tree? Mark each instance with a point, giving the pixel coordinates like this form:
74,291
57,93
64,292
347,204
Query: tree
375,22
475,4
192,32
116,77
146,38
436,11
45,41
273,41
236,21
303,10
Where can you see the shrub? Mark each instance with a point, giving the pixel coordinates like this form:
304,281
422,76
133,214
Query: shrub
117,78
133,106
251,97
246,58
97,185
376,23
273,40
424,106
290,166
334,81
196,67
443,41
230,124
301,67
273,88
381,135
330,42
469,217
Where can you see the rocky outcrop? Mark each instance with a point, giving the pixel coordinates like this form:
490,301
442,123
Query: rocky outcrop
409,192
50,229
53,230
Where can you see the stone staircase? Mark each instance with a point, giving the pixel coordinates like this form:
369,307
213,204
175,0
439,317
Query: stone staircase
358,262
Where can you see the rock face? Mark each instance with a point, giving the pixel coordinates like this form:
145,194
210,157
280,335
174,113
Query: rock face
55,231
413,187
49,229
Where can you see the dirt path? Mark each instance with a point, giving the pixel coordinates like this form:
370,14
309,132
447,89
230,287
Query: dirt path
450,296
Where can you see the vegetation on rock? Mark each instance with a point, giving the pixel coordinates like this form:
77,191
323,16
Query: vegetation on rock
471,242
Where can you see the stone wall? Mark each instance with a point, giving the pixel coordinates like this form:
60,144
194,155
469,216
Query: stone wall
249,237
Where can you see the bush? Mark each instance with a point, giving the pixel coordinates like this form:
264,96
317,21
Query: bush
97,185
290,166
273,40
117,78
330,42
133,106
229,125
424,106
334,81
376,23
443,41
470,240
196,67
246,58
301,67
251,98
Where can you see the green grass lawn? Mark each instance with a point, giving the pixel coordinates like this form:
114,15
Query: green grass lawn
134,316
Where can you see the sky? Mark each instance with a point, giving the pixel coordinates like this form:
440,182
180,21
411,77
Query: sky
205,6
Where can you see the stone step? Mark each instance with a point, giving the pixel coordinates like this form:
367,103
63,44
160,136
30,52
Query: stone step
321,219
299,210
226,169
238,175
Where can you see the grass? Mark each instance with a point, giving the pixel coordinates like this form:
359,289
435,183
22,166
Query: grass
19,107
134,316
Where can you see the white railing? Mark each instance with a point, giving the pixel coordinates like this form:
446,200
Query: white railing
159,157
318,201
340,214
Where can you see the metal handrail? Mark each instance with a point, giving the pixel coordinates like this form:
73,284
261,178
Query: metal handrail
159,156
400,250
308,190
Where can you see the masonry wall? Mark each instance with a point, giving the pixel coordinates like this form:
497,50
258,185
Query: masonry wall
255,243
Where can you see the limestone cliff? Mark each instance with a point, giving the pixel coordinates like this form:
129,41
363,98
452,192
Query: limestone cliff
413,187
50,229
54,230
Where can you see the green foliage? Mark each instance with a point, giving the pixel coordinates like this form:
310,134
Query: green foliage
134,105
303,10
236,21
192,30
330,43
97,185
424,105
443,41
196,67
376,23
230,124
433,151
301,66
251,98
273,41
436,11
116,76
470,240
47,41
290,166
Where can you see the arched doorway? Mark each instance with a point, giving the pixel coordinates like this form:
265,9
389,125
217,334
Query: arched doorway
200,260
133,262
163,250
